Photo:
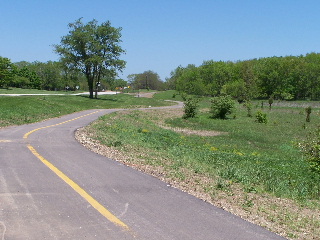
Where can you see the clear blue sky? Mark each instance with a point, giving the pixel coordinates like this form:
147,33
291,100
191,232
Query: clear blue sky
160,35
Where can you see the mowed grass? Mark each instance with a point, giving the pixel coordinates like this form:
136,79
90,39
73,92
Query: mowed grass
29,109
32,91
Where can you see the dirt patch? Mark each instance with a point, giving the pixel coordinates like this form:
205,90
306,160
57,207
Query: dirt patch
143,94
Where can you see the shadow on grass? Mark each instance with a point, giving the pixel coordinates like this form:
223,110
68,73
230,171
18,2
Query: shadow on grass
101,99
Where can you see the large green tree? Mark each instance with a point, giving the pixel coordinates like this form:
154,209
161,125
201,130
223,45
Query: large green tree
93,49
7,71
146,80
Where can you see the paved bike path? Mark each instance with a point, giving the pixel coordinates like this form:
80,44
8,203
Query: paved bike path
53,188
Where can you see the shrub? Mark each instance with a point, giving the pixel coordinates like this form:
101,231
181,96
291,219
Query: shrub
270,101
261,117
190,106
248,105
311,149
221,106
308,112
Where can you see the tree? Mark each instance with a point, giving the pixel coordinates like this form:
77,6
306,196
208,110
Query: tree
215,75
7,71
236,89
146,80
93,49
117,83
26,78
190,81
174,76
50,75
221,106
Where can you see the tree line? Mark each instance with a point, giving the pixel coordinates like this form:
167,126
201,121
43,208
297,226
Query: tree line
289,77
90,57
53,75
49,75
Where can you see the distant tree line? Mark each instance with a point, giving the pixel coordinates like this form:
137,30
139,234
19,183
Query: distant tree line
49,76
53,75
290,77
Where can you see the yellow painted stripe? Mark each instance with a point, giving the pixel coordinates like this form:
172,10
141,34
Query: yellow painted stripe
5,141
101,209
25,136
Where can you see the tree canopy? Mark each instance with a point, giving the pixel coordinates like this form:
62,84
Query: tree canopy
92,49
289,77
7,71
146,80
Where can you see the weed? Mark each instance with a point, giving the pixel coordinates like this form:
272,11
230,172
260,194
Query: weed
223,185
248,203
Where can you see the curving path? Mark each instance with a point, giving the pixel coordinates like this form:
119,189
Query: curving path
53,188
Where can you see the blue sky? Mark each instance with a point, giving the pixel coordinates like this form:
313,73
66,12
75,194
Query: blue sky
160,35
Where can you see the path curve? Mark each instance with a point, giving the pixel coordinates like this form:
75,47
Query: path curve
39,202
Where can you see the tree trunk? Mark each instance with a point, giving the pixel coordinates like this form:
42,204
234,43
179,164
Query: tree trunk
90,85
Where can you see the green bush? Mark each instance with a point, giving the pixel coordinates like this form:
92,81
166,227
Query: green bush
261,117
308,112
248,106
221,106
270,101
190,106
311,149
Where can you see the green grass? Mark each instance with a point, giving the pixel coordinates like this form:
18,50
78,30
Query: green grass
32,91
29,109
168,95
261,157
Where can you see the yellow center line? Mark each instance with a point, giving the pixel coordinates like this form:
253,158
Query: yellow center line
101,209
25,136
4,141
94,203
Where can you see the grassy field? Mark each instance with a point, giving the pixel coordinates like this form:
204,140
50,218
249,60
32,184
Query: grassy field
29,109
32,91
251,169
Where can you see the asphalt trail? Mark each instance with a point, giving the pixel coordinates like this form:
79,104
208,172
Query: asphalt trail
51,187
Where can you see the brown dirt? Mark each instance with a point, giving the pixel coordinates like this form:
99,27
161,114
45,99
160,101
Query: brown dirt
143,94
